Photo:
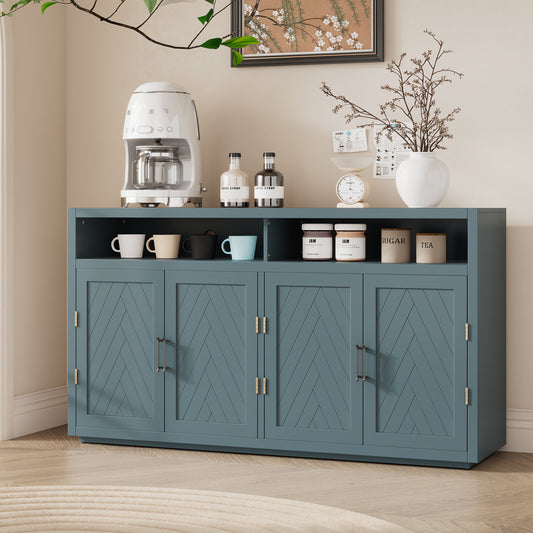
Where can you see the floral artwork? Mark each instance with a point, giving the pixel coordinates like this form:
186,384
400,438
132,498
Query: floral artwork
312,30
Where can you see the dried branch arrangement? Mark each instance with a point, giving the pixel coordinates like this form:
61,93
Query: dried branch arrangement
412,112
108,12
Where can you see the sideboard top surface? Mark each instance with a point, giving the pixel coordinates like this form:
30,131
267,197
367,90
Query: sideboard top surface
283,213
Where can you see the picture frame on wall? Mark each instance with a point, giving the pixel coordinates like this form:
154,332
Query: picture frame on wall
292,32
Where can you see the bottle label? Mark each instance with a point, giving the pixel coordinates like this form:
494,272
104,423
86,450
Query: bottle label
234,193
263,191
317,248
349,248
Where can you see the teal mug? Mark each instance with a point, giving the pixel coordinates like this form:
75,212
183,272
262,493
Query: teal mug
242,247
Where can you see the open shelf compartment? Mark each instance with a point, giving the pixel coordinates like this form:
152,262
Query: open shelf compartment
284,240
94,235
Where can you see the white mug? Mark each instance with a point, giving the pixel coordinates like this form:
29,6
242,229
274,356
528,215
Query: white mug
131,245
165,246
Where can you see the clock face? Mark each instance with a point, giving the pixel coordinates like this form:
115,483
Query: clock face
350,189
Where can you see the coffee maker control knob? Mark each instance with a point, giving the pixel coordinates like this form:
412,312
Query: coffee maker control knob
145,129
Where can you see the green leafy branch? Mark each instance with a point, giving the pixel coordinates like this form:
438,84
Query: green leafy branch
232,41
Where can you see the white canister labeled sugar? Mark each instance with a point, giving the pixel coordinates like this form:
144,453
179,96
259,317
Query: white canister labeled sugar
395,245
431,247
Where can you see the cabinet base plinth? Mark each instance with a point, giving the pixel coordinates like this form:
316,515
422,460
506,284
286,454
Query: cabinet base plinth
285,453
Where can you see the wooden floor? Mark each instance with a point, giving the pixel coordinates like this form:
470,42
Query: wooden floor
497,495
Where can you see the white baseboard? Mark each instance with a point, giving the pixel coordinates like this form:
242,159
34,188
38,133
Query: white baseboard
48,409
519,431
39,410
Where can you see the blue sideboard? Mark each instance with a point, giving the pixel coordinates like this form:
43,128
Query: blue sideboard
400,363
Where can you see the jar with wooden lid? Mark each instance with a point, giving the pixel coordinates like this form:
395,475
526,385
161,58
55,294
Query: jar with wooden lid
350,242
317,242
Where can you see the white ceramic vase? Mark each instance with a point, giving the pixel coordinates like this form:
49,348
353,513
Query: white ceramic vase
422,180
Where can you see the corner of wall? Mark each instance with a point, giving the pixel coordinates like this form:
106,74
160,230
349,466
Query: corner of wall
519,431
39,198
6,235
40,410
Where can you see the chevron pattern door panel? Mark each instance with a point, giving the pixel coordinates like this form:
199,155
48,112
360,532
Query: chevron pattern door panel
120,316
416,361
315,323
210,322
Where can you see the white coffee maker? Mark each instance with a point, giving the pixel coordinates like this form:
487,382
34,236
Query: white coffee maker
162,141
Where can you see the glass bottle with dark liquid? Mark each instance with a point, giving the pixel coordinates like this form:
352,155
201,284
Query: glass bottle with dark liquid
268,189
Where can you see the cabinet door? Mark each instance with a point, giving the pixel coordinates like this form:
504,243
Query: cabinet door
314,323
120,316
416,361
211,353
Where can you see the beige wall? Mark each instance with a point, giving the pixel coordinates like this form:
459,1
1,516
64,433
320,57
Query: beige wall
39,189
282,109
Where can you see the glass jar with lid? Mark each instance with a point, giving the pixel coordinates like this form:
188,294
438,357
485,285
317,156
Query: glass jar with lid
317,243
350,242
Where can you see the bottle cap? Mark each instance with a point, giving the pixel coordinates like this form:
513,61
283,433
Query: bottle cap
269,154
234,154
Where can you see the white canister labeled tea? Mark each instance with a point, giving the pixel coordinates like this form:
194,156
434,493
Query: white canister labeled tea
395,245
350,242
431,247
317,242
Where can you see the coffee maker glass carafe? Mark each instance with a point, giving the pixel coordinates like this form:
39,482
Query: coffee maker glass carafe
157,167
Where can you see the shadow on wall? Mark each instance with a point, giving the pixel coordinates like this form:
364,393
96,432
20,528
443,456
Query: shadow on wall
519,313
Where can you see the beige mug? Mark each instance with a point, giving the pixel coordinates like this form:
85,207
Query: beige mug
165,246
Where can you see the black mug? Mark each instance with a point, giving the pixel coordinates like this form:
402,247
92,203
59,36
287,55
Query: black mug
201,246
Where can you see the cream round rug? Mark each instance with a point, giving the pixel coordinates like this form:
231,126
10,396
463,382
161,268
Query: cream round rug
141,510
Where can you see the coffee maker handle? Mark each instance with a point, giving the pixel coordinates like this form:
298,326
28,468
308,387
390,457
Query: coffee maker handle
141,168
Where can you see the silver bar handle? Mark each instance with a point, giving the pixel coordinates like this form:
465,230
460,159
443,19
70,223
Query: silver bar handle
357,348
164,367
158,369
364,363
